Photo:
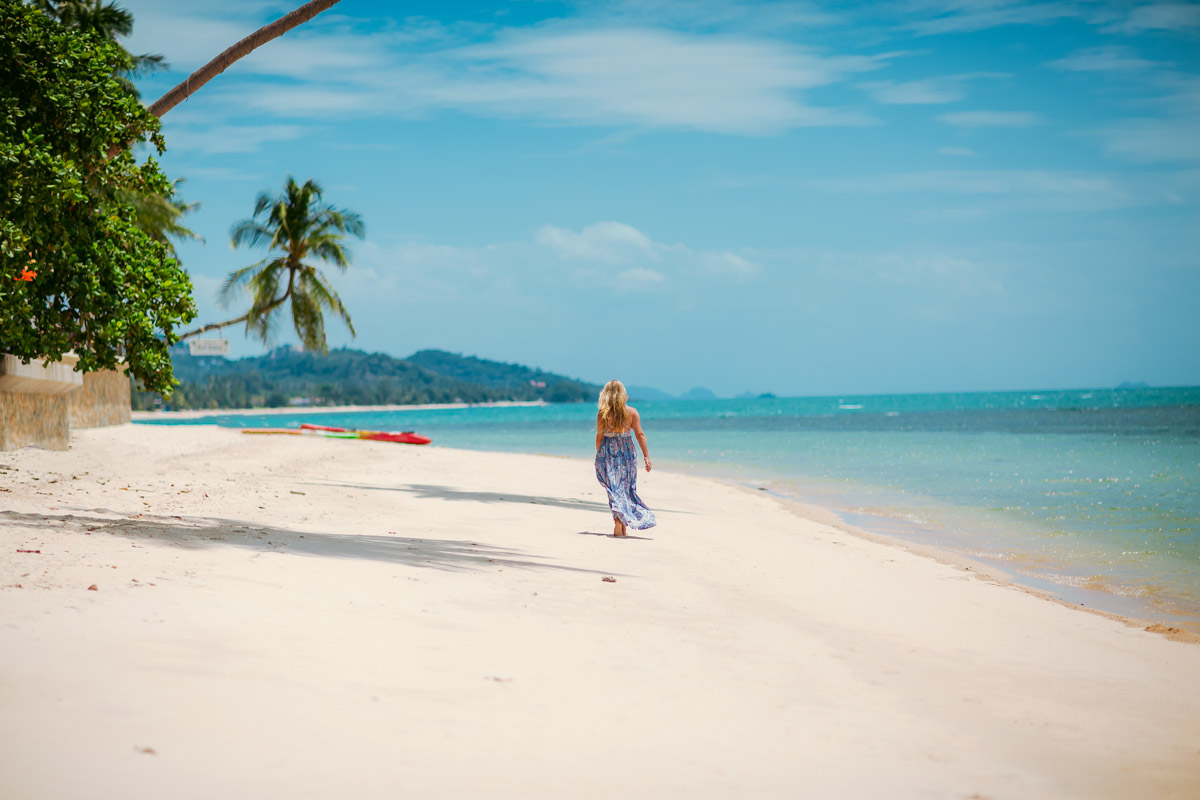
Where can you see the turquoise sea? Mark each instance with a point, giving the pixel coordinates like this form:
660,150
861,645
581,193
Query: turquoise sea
1093,495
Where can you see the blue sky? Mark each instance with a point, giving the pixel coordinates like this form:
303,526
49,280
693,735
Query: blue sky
801,198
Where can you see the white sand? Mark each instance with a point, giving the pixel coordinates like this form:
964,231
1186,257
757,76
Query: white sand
312,618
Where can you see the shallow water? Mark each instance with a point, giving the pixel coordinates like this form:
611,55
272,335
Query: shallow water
1092,494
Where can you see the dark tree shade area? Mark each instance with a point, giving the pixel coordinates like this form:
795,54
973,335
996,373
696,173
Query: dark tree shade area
353,377
76,272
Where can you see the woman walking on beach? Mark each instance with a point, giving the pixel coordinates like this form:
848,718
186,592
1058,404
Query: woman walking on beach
617,424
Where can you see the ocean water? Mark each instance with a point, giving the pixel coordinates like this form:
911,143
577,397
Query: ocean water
1091,495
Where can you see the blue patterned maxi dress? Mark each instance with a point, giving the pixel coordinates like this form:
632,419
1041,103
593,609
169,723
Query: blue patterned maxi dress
617,469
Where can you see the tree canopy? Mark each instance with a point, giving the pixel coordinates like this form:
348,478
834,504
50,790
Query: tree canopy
76,271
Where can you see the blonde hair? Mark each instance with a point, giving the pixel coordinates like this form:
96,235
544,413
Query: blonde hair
614,414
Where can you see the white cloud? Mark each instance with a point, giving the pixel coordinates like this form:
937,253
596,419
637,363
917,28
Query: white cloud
605,254
616,243
765,16
726,263
1151,140
228,138
640,276
1006,190
1173,136
928,91
960,275
640,77
972,182
602,241
962,16
1104,59
990,119
1158,17
559,72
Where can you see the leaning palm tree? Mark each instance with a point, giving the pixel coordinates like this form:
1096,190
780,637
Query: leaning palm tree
296,226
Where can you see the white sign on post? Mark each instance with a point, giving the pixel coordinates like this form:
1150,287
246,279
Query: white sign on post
208,347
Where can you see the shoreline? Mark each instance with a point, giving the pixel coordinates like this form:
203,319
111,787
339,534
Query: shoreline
981,569
1129,609
193,413
190,607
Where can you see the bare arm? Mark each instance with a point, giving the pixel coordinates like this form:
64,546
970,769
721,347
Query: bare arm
636,424
599,432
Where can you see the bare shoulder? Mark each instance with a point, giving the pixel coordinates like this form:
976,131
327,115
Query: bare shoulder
633,412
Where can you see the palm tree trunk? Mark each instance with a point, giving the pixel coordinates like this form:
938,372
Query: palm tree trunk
219,64
213,326
243,48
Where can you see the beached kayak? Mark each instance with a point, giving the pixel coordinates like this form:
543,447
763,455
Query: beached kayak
295,432
401,437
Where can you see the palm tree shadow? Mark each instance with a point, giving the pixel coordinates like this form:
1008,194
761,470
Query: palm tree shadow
196,533
426,491
423,490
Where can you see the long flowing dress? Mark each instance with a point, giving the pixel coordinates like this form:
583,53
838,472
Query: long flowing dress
617,469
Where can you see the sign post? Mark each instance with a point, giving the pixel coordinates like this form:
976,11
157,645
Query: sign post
208,347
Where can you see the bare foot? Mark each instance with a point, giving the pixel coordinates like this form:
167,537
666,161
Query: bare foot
618,528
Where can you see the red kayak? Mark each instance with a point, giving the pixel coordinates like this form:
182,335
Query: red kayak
401,437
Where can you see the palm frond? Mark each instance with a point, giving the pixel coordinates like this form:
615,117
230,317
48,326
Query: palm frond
249,232
318,286
309,322
235,282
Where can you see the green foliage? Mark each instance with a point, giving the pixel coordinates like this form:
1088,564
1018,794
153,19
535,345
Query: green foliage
103,287
160,216
298,226
108,21
352,377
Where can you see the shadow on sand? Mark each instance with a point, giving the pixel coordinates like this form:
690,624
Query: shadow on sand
611,536
421,490
206,532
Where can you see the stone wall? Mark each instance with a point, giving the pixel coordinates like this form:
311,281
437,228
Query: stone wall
40,403
34,419
102,400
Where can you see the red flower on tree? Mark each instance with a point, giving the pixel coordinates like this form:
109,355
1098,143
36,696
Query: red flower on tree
27,274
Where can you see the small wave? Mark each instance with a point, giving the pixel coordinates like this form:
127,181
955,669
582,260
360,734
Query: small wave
848,406
892,414
1036,397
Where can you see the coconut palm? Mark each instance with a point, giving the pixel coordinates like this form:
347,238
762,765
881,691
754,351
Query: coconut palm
297,226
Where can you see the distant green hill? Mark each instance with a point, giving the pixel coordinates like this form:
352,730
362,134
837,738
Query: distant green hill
286,376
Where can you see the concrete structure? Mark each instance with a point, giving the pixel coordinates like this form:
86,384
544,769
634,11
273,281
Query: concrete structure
40,403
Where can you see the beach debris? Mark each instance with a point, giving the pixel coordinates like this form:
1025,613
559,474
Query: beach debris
146,750
609,579
293,491
93,588
495,679
29,551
